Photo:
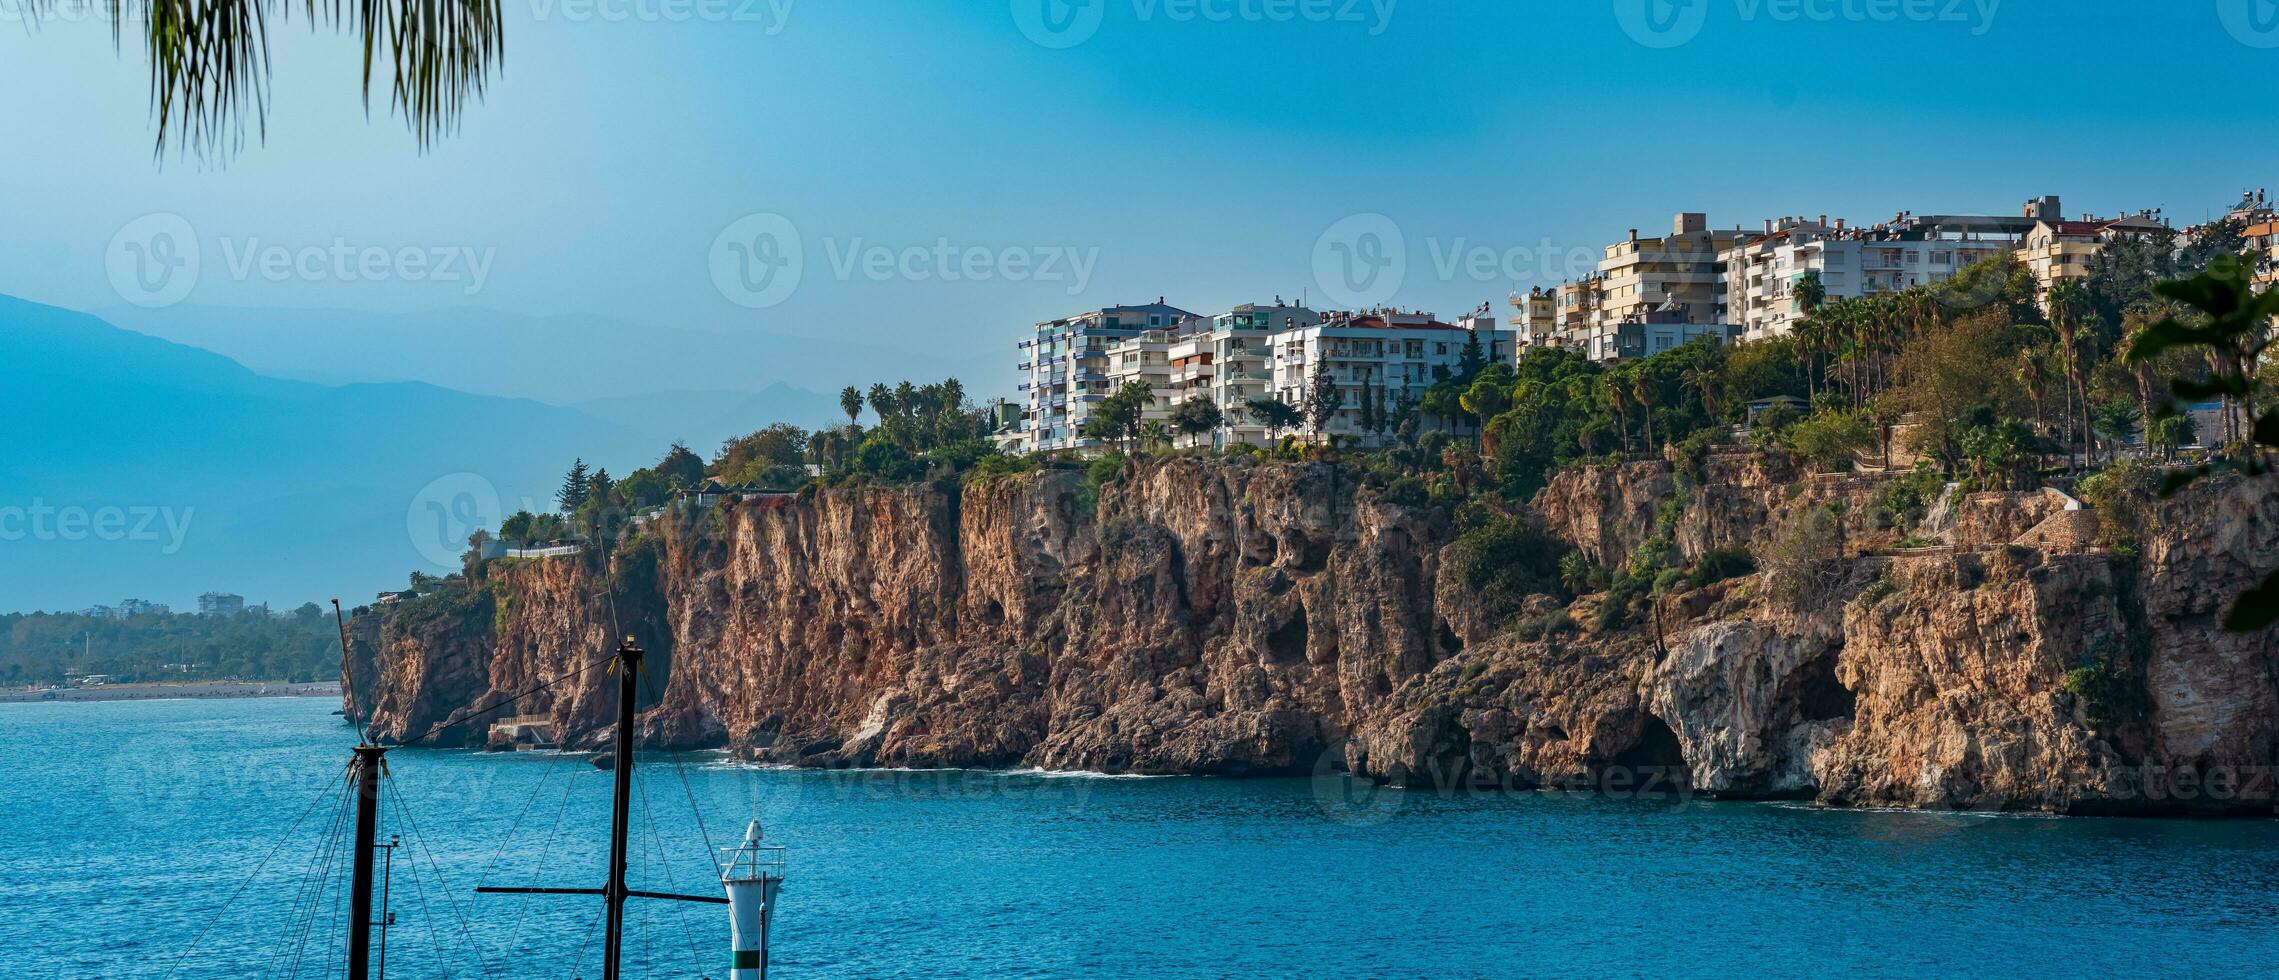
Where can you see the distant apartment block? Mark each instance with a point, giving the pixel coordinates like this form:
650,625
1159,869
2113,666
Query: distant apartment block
1763,269
126,608
220,604
1066,363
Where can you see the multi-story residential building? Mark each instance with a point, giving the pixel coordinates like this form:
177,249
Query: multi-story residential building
1681,273
1639,275
1535,316
220,604
1067,367
2058,249
1575,311
1231,363
1390,355
1761,271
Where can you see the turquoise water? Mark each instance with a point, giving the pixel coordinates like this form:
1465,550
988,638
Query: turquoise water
144,837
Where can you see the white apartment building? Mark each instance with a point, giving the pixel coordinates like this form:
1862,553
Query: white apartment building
1391,355
1066,362
1762,271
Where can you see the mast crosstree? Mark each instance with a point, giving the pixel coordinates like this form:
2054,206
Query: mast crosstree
614,892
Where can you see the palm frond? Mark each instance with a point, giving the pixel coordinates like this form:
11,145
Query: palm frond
210,61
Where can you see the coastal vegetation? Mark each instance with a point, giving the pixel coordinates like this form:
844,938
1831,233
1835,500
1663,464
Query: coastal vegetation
47,648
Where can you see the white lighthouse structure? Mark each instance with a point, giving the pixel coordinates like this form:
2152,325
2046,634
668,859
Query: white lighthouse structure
752,874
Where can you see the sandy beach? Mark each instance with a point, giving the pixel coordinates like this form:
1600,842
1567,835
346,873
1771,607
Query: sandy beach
152,692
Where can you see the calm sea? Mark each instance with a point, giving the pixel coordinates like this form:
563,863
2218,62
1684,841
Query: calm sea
188,838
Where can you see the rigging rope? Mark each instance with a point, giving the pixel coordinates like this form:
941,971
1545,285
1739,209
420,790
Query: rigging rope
248,880
419,841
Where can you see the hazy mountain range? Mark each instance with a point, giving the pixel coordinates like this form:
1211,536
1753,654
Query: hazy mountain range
135,466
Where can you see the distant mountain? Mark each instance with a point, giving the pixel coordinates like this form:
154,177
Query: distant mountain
131,466
560,360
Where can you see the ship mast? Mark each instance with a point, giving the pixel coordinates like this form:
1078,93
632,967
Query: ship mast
614,892
365,768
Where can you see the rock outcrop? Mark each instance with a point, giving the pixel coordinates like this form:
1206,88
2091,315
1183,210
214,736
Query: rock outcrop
1237,617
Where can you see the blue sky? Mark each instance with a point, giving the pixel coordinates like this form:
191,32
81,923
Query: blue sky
1196,150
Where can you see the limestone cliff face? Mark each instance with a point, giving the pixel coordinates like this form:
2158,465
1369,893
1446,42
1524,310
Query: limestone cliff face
1249,618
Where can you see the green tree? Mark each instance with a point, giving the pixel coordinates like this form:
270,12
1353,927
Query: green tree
680,469
1322,401
2232,329
1274,415
1473,359
1197,416
576,487
851,402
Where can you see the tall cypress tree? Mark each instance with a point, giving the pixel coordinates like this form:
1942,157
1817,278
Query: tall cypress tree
575,488
1321,404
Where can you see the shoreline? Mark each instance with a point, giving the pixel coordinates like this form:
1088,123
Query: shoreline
199,691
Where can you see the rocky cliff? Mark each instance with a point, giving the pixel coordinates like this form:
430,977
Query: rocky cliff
1238,617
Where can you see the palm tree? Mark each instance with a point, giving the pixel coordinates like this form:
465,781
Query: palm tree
1619,400
210,61
851,402
1648,394
1707,382
2066,303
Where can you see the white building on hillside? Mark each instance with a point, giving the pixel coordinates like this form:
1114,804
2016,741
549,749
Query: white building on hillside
1389,355
1066,363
